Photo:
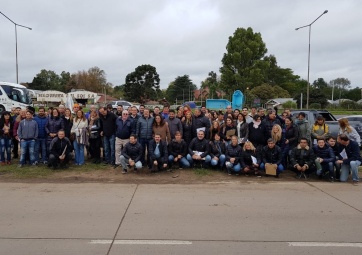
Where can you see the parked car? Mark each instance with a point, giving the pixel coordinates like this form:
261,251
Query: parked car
125,104
332,122
356,122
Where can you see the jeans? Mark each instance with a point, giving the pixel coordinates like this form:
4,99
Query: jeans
221,161
5,146
109,148
145,143
353,166
235,167
183,161
79,153
41,146
191,160
324,167
124,163
27,147
280,168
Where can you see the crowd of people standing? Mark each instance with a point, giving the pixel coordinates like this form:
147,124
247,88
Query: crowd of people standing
236,141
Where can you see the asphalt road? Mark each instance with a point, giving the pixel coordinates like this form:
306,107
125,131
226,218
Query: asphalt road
215,218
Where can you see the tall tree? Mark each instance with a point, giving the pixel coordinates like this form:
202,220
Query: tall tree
142,85
46,80
181,89
320,83
243,65
266,92
342,83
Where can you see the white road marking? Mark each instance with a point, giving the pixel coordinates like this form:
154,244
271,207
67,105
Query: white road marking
147,242
315,244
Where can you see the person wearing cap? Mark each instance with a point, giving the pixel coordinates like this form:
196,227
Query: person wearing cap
350,158
320,129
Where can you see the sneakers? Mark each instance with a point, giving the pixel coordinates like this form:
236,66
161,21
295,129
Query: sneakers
20,165
124,171
355,183
331,179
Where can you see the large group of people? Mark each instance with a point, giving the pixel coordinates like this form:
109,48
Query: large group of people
248,142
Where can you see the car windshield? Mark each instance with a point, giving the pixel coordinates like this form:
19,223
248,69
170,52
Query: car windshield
17,94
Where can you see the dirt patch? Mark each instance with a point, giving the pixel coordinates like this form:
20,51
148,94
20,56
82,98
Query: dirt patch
176,176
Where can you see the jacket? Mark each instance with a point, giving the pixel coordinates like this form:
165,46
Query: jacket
10,127
352,150
304,129
292,135
144,128
163,150
188,132
217,149
108,124
302,156
200,146
57,146
54,125
242,131
174,125
320,130
68,124
200,122
124,129
273,156
94,129
233,152
326,153
257,135
132,151
42,121
164,131
224,130
28,129
246,160
177,148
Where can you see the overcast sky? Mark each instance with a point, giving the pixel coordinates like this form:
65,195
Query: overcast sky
177,37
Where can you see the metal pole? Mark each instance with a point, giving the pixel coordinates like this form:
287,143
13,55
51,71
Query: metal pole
310,28
16,44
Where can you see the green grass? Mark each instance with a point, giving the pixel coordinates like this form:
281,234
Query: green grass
344,112
202,172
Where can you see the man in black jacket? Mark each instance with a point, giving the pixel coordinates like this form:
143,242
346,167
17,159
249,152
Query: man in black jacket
108,131
272,154
302,159
158,153
177,149
201,123
131,154
199,150
350,158
60,148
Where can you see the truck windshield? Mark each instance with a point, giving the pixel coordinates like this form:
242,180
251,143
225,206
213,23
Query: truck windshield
326,115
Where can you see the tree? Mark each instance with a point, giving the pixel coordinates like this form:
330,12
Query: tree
93,80
265,92
212,82
342,83
243,65
142,85
180,89
320,83
46,80
316,96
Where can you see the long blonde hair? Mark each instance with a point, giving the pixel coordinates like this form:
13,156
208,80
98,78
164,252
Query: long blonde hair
252,147
276,136
344,125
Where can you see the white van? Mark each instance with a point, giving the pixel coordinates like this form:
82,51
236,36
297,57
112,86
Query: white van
13,95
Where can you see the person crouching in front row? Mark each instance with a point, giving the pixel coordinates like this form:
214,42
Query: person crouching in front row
177,149
233,153
60,148
302,159
199,150
158,153
250,160
272,154
131,155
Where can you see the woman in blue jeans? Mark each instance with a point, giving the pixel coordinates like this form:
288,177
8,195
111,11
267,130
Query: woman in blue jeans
79,130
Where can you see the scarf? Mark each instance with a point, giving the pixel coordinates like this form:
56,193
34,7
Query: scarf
256,124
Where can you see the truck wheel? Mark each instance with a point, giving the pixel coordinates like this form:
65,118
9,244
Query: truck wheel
2,108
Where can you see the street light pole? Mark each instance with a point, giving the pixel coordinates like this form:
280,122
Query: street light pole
16,44
310,28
